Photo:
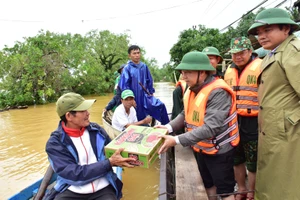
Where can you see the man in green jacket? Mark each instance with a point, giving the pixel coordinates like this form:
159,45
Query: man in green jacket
278,161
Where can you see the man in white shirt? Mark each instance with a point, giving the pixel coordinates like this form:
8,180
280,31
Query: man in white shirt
125,113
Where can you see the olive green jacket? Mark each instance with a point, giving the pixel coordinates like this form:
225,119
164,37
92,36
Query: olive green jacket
278,165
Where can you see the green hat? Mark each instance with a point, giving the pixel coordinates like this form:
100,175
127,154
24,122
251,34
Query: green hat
195,60
240,44
72,102
127,93
272,16
212,51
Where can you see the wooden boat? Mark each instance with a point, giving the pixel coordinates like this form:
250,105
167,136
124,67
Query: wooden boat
38,188
106,120
34,191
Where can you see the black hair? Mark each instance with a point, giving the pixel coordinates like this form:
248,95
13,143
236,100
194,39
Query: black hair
133,47
64,119
287,25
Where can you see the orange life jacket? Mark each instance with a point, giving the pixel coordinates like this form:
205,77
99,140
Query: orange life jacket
245,87
195,109
183,85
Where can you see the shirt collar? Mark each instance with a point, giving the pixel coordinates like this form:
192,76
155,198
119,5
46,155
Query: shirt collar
72,132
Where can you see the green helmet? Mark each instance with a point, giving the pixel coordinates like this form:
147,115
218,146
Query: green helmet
212,51
272,16
195,60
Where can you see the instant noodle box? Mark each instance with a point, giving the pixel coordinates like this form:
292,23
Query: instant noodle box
140,142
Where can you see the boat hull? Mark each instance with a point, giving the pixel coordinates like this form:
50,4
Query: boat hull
30,191
111,131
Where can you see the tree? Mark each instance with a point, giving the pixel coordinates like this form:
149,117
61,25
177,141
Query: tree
109,50
193,39
43,67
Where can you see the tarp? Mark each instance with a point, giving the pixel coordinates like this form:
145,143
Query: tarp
135,75
156,109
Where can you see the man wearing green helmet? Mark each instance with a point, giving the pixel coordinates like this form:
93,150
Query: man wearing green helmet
210,119
279,113
215,58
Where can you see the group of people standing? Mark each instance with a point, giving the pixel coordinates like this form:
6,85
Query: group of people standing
249,120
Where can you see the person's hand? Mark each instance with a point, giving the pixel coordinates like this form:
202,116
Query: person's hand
117,160
160,126
168,142
147,119
134,103
104,112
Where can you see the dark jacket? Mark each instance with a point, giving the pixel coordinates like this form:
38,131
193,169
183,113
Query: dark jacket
218,106
63,158
115,101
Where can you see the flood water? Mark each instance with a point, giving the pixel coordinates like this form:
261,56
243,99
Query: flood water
24,133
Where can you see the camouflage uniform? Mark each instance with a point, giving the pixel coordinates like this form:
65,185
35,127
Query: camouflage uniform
248,125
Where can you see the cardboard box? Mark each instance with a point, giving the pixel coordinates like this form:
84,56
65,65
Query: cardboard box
139,142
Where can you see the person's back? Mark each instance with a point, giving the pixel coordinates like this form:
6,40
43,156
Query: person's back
178,93
116,100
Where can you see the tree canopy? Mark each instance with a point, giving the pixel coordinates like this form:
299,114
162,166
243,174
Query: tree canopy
42,68
197,38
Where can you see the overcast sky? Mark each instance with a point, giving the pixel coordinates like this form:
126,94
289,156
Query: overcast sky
153,24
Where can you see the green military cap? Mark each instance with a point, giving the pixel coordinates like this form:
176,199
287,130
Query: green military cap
72,102
240,44
195,60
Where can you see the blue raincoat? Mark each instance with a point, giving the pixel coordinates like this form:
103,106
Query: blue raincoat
132,76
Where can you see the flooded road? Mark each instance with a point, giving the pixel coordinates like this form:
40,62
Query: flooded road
24,133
